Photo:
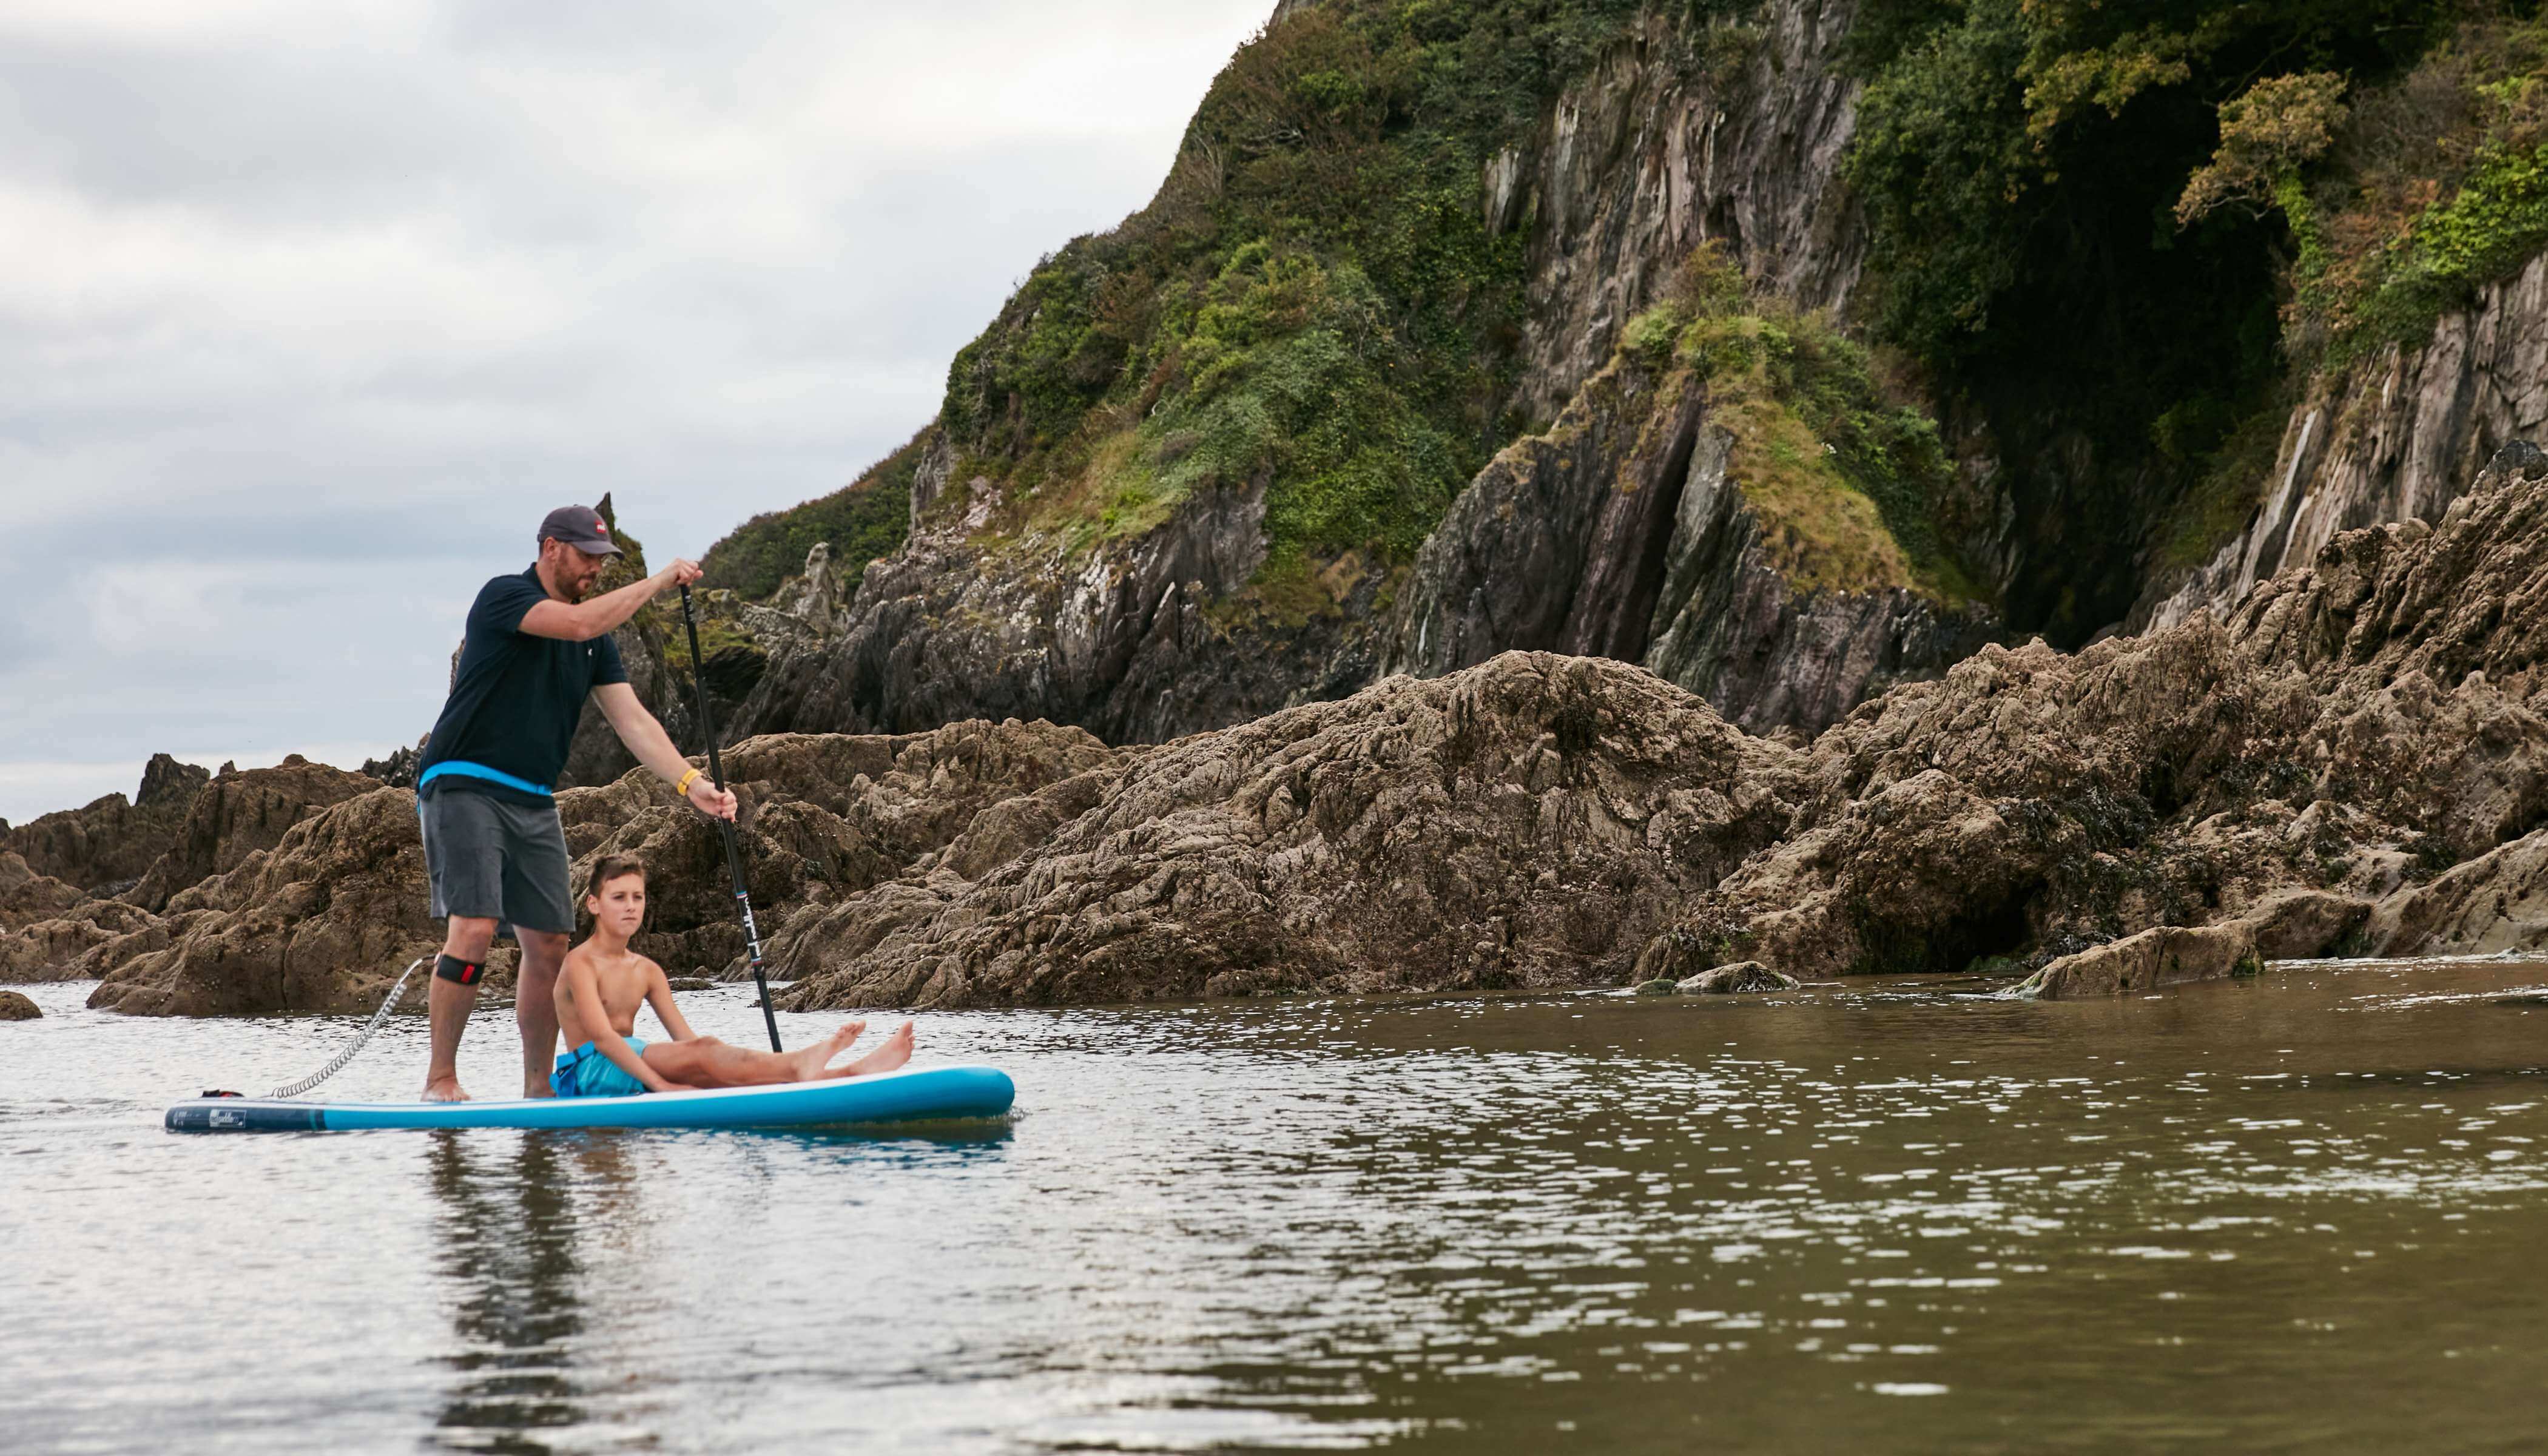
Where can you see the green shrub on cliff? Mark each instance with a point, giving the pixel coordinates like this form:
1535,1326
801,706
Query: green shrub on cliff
2063,126
1844,480
864,519
1315,304
1287,381
2438,186
2395,206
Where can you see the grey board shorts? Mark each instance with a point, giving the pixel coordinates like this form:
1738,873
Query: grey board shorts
493,860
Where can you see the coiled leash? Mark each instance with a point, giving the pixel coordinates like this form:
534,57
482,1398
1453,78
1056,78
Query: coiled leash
294,1089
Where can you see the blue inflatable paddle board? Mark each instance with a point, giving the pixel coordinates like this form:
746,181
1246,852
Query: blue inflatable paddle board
912,1095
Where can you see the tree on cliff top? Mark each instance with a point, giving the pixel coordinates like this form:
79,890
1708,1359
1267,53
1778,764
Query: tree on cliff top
2021,163
862,520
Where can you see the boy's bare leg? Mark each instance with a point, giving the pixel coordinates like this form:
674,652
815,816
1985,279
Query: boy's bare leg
894,1052
706,1061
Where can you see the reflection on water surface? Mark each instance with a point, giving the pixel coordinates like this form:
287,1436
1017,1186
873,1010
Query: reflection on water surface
2288,1213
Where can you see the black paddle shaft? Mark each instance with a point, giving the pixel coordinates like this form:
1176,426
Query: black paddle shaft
733,851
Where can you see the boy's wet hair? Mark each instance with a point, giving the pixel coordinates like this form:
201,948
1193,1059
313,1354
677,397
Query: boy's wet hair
610,868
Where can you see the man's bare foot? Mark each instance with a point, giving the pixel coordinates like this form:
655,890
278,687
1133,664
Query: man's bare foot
809,1062
894,1052
538,1089
444,1089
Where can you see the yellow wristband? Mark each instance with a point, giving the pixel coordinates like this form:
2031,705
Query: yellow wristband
681,790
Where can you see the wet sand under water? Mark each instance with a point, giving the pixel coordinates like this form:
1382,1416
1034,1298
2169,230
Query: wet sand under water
2298,1213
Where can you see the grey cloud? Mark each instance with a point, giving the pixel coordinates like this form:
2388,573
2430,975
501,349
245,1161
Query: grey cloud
333,314
266,133
619,30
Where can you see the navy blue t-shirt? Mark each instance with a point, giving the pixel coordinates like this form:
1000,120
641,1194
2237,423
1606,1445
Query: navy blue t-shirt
517,697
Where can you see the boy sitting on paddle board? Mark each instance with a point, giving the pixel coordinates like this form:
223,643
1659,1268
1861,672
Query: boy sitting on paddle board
602,983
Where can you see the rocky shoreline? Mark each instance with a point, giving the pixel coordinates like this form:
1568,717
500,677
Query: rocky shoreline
2353,759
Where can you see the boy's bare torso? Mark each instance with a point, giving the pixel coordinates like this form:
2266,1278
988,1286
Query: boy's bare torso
623,981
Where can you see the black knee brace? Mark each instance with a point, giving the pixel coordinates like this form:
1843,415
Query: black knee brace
463,972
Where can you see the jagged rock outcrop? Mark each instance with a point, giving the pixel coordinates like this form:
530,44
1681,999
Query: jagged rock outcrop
236,815
1767,652
1642,160
398,770
1559,544
1117,638
1623,532
320,921
25,895
2395,437
2298,777
112,841
1521,823
327,917
57,948
2273,775
2498,901
2031,800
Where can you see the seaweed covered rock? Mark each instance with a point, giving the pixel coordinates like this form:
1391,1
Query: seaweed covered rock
323,919
15,1007
1526,822
825,815
1740,977
2163,955
2353,731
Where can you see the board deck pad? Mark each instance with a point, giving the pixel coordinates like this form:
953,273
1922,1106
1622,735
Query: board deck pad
911,1095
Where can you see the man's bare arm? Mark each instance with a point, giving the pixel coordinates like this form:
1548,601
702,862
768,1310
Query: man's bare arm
653,747
582,622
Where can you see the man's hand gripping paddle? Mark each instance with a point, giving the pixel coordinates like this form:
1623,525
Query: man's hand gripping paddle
733,853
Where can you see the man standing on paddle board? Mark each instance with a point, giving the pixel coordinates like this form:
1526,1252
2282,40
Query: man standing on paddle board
494,849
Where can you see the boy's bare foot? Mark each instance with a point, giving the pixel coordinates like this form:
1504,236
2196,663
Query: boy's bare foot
894,1052
444,1089
809,1062
538,1089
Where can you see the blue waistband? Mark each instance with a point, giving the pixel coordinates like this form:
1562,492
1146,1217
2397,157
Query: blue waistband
467,770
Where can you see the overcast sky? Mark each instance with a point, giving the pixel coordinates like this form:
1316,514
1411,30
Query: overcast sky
309,310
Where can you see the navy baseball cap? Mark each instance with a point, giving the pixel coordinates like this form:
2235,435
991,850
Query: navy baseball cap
579,526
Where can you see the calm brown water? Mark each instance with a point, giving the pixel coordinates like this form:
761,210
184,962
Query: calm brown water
2299,1214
